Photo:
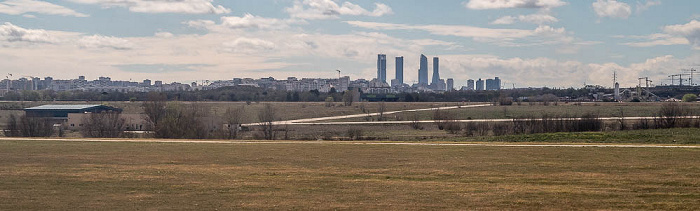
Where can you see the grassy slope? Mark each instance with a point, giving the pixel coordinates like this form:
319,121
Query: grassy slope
44,175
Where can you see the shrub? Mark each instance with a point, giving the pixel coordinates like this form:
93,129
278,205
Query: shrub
690,98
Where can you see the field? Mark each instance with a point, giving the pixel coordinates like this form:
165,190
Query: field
525,110
43,175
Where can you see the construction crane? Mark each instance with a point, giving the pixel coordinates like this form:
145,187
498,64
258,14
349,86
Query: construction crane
338,73
673,79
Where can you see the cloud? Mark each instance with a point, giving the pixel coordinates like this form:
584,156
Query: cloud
328,9
691,32
248,45
645,6
612,9
542,35
159,68
12,33
654,40
247,21
532,18
20,7
99,41
504,4
162,6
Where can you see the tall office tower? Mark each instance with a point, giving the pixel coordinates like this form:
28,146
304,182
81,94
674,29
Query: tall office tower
399,69
489,84
497,83
423,71
470,84
436,70
450,84
479,85
381,67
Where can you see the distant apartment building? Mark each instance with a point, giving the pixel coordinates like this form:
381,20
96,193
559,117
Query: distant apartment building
450,84
381,67
480,85
493,84
436,71
470,84
423,71
399,70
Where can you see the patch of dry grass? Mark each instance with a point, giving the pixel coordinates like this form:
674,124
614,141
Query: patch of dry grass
44,175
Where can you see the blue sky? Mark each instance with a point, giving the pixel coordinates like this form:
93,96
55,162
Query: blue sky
555,43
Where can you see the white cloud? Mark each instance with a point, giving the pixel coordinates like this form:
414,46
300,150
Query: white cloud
328,9
247,21
164,35
99,41
532,18
654,40
612,9
503,4
542,35
691,31
162,6
21,7
12,33
641,7
248,45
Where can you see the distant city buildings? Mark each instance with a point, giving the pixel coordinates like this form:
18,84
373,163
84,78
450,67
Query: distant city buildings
341,84
381,67
423,71
399,70
450,84
470,84
479,85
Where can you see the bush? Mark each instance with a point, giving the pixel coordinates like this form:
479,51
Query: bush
690,98
28,127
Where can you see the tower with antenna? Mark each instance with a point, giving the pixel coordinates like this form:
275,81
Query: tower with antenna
616,87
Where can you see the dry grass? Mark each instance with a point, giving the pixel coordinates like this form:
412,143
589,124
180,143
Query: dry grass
525,110
286,110
42,175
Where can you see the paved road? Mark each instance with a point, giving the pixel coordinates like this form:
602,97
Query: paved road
310,120
351,143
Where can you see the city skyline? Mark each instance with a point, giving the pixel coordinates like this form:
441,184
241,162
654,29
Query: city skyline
534,43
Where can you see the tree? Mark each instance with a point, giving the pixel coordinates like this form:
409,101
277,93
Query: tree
267,116
690,98
381,110
155,109
103,125
28,127
233,118
348,97
329,101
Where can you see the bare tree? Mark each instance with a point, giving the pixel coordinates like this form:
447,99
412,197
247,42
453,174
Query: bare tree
155,109
182,122
267,116
233,119
28,127
348,97
103,125
381,110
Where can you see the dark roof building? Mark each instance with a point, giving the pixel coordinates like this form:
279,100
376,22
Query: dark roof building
62,111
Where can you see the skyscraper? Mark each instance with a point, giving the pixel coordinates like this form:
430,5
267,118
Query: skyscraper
436,71
381,67
450,84
399,69
479,85
423,71
470,84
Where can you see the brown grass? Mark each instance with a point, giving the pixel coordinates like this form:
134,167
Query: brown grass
43,175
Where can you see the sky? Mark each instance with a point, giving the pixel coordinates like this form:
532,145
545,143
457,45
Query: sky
527,43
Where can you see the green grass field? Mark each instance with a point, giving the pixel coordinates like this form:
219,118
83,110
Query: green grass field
53,175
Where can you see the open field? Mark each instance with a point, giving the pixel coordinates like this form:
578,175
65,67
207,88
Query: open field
127,176
525,110
285,110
